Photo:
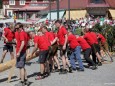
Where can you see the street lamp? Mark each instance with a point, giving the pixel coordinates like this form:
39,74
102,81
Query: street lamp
57,9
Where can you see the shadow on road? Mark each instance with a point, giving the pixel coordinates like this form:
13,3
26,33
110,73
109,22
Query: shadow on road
5,79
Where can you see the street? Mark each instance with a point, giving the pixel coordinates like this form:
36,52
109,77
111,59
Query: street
103,76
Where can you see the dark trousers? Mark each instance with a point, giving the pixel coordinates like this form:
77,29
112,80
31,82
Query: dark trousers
87,53
95,49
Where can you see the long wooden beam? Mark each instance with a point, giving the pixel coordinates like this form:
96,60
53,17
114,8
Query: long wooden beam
7,65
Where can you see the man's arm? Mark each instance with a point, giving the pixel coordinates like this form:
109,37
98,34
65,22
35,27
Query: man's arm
21,47
66,38
35,48
54,41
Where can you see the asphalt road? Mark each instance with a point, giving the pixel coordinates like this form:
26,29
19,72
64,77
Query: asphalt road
103,76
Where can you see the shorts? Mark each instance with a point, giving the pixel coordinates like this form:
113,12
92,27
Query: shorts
43,56
52,51
62,52
8,48
28,47
95,48
21,60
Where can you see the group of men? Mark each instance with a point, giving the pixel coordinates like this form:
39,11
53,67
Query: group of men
47,43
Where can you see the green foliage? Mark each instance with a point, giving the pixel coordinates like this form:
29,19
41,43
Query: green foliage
108,32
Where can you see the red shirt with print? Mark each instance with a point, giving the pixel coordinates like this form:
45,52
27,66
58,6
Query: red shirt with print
41,41
83,43
61,35
73,43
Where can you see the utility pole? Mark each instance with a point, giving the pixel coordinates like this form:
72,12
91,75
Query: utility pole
50,9
57,9
69,9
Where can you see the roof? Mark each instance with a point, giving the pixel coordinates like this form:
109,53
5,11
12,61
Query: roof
81,4
74,4
97,5
111,3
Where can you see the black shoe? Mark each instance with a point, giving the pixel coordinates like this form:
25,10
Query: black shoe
70,69
99,64
27,83
93,67
64,71
58,70
74,69
1,62
53,71
46,74
80,70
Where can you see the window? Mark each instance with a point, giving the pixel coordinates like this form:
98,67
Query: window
45,0
11,2
22,2
97,1
33,0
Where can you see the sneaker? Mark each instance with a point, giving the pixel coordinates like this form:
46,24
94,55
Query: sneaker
80,70
39,77
74,69
99,64
53,70
64,71
20,84
46,74
93,67
70,69
27,83
57,70
1,62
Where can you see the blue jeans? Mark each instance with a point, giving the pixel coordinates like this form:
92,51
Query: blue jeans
76,55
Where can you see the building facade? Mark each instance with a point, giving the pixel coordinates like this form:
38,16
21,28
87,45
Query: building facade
80,8
9,6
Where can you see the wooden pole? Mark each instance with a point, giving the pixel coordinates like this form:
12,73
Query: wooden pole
9,64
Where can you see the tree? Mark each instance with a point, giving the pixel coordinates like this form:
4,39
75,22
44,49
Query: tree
108,32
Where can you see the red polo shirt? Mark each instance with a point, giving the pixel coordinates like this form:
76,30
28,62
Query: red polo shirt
8,34
100,36
41,41
83,43
49,37
17,35
22,37
73,43
61,35
94,35
89,38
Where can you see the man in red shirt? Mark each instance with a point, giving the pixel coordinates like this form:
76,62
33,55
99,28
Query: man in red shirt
103,45
76,52
41,44
52,42
87,51
21,46
8,36
91,38
62,37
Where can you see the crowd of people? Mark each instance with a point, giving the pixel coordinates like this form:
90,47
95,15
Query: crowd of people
47,43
